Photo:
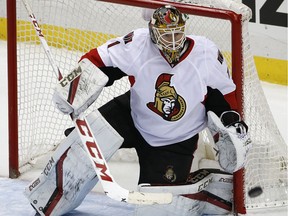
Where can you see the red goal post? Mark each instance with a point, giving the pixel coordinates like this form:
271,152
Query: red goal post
73,27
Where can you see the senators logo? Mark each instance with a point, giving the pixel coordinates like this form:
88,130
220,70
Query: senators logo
167,103
170,18
170,175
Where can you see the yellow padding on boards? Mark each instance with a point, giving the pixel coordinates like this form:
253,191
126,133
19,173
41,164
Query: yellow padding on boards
272,70
3,28
57,36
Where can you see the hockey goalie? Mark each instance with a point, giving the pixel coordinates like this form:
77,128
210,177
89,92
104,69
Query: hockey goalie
180,86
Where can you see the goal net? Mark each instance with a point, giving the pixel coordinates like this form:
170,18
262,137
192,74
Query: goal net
73,27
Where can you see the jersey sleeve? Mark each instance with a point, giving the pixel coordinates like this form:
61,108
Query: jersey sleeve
122,52
116,56
113,73
219,77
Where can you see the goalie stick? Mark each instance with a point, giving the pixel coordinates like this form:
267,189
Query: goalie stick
111,188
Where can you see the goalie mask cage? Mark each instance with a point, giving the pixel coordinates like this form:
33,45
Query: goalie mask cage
73,27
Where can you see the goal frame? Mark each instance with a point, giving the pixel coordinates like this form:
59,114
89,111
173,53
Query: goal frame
237,74
12,89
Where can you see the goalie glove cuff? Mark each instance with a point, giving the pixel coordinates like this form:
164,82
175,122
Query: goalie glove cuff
230,117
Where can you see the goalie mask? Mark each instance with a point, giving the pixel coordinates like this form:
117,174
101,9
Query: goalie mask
166,28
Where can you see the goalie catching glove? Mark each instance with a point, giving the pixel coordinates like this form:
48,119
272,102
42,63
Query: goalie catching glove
80,88
234,140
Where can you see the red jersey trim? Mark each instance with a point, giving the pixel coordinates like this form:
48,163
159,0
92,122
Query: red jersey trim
94,57
231,99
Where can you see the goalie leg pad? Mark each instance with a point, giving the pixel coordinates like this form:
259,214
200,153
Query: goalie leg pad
219,195
69,175
209,191
180,205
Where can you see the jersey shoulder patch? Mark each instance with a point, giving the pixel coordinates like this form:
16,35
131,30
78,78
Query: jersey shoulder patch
129,37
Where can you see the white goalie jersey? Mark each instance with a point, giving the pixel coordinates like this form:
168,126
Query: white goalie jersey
162,92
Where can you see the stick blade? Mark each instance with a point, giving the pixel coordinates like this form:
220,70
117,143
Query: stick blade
135,197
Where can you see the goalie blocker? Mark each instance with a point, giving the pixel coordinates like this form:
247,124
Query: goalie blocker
80,88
